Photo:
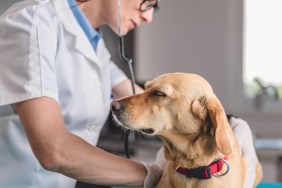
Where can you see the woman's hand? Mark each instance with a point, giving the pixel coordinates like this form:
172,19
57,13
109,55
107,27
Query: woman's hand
244,136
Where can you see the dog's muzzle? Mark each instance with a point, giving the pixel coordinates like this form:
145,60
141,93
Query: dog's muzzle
117,109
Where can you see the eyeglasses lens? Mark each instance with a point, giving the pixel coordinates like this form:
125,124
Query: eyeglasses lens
148,4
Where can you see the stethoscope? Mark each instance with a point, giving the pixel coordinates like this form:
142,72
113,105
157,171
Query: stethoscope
128,61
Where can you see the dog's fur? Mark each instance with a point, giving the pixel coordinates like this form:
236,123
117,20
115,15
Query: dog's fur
182,109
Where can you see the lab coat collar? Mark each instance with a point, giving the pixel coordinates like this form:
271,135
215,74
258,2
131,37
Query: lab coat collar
81,41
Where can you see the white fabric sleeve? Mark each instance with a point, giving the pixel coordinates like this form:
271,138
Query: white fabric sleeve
155,170
28,42
244,136
154,173
117,75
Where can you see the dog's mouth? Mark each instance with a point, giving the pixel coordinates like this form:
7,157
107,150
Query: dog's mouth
147,131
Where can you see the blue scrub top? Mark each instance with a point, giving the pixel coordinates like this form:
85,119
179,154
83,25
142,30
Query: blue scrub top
92,34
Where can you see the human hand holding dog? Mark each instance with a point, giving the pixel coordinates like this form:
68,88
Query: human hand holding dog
244,136
155,170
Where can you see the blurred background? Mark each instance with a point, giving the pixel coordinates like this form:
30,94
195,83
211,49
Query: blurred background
235,44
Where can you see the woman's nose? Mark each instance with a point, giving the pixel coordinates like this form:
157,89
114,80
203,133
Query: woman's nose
147,16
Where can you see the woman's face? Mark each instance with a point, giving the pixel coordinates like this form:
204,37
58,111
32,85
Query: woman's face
131,16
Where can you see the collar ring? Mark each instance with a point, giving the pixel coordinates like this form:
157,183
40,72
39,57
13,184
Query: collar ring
227,170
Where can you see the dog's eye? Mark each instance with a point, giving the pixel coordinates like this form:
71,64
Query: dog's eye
158,94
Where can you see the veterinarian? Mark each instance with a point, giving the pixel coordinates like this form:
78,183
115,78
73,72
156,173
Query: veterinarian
56,83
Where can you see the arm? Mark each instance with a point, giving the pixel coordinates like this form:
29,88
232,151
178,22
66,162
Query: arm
124,89
244,136
58,150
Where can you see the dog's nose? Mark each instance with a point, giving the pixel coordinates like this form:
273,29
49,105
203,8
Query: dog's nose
116,106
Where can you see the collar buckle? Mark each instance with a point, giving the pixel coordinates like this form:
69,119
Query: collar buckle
203,172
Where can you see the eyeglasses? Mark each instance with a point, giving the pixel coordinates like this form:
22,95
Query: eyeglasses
148,4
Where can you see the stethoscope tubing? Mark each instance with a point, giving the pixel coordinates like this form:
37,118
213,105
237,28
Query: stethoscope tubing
128,61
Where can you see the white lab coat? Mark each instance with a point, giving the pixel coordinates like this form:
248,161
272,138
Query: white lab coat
44,52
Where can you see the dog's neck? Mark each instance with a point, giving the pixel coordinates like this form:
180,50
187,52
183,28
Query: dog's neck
194,151
190,150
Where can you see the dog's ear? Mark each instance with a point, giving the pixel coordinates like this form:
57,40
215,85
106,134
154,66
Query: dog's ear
199,108
216,114
147,84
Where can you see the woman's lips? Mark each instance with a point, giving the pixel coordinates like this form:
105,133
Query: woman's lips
134,25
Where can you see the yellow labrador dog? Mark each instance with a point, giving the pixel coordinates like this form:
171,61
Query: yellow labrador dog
199,145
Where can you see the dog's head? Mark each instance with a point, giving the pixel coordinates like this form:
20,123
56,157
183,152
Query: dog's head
176,106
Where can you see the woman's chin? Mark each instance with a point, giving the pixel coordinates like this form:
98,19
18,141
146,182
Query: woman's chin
124,31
